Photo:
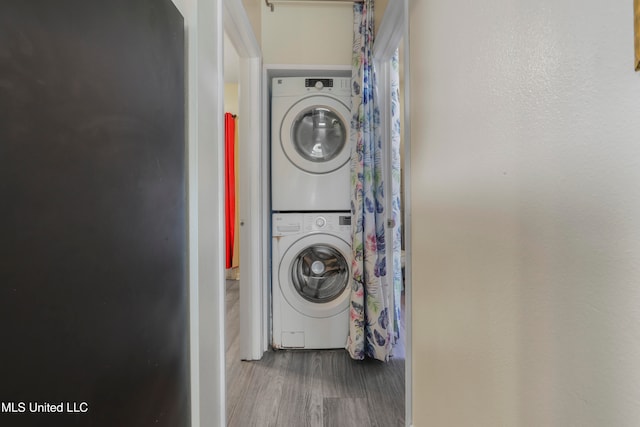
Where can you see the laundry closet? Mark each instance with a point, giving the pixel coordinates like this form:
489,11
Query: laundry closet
309,89
306,152
310,205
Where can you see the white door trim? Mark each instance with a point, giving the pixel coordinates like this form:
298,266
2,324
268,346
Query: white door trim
252,201
394,28
205,142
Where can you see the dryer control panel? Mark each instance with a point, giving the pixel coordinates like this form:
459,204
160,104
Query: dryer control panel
318,83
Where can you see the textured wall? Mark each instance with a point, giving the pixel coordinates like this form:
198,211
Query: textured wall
525,172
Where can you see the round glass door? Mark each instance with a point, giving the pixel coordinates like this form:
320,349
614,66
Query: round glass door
314,134
318,134
320,273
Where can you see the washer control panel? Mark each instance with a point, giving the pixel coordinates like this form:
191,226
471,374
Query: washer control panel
327,222
304,86
284,225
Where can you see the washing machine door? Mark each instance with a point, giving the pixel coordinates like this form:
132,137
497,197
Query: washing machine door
315,274
314,134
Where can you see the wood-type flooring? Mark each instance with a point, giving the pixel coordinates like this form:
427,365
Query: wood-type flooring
298,388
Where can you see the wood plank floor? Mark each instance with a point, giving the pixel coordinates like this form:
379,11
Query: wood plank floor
323,388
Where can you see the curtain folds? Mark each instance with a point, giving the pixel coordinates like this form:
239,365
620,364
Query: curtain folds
372,326
229,186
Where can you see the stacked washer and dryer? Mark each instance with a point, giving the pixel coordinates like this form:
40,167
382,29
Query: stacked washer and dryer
310,202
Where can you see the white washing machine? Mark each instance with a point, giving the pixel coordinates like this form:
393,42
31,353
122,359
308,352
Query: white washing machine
310,152
311,280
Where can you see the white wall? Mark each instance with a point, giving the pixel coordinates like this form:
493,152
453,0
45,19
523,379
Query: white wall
231,61
307,34
231,98
526,213
254,12
310,33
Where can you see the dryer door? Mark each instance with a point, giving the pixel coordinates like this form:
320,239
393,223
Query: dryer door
314,134
315,273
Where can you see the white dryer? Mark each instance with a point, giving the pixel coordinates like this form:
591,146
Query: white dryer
310,152
311,280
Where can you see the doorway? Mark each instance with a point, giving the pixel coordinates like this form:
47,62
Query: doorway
232,223
254,222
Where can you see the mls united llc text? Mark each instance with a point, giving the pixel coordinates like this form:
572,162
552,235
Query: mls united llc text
44,407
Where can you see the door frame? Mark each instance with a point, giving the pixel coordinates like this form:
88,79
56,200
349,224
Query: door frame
394,30
253,200
206,195
205,143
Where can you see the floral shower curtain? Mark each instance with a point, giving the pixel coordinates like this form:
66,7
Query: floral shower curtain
396,210
372,326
